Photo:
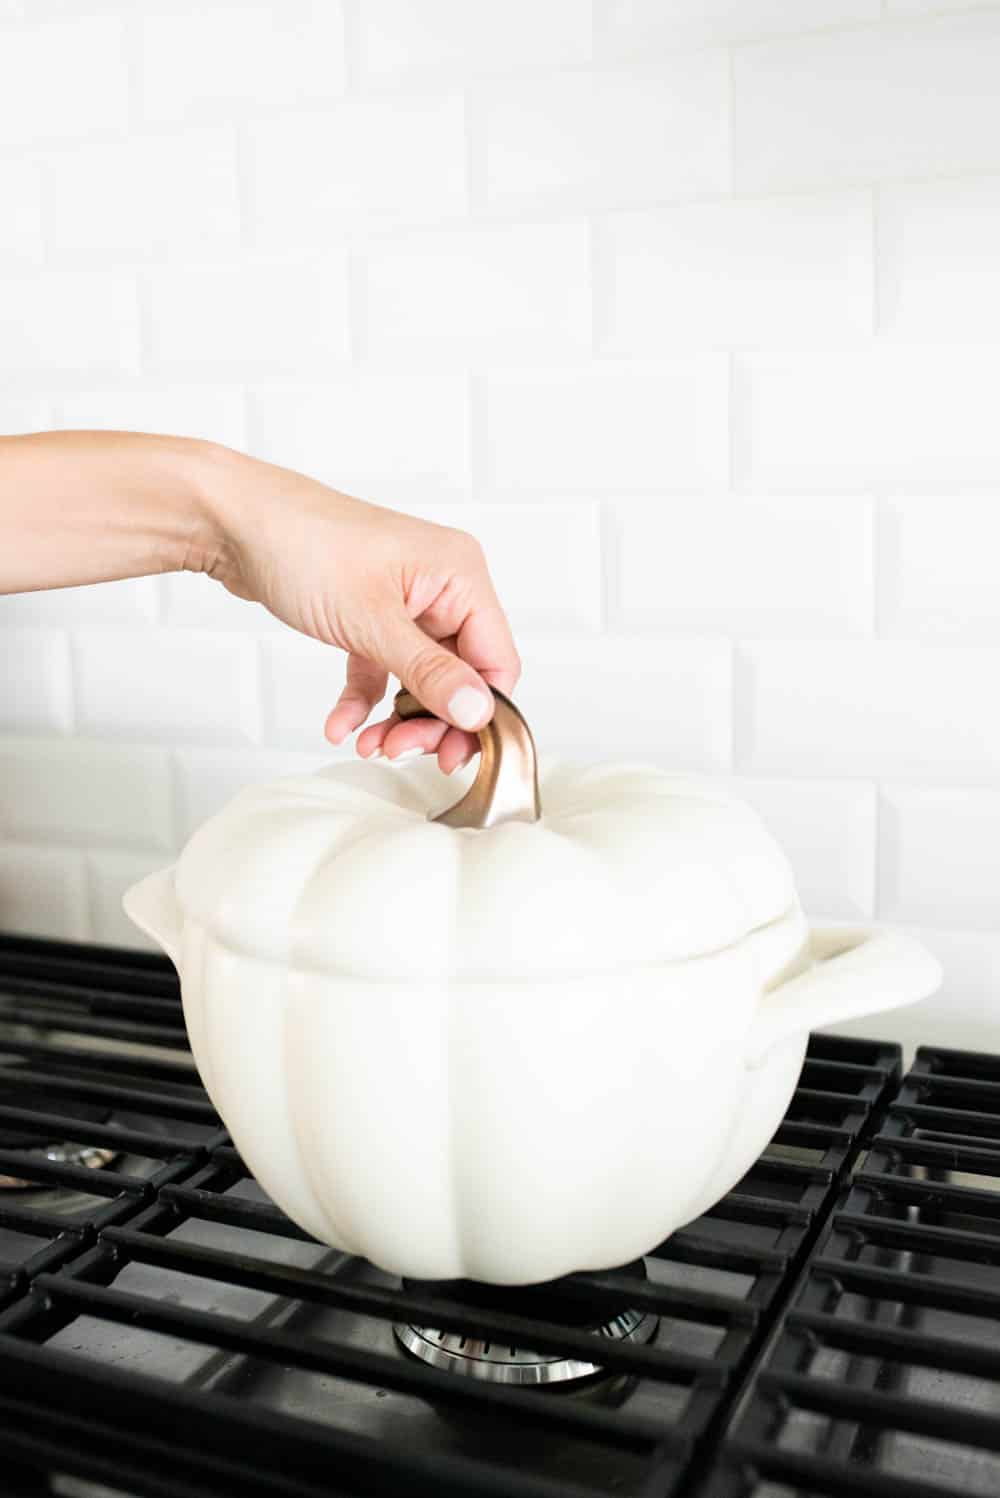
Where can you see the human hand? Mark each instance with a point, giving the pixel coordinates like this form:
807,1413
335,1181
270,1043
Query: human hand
400,595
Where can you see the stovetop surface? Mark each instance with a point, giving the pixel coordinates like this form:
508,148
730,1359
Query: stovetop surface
829,1327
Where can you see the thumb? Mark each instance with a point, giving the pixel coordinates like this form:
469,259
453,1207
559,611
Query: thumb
444,684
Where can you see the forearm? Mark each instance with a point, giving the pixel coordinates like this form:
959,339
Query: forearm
87,507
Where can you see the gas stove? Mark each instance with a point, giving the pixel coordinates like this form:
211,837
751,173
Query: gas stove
832,1326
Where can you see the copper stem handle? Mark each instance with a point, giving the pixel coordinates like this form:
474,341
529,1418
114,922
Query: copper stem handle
506,786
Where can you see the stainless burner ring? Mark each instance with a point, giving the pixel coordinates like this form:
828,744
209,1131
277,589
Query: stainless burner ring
498,1362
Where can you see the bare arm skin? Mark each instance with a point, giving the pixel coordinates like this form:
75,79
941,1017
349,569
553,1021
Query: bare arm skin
399,595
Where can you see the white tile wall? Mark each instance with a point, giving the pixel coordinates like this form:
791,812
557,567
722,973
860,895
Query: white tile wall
20,209
753,566
65,79
68,321
612,426
881,415
687,308
938,574
939,248
369,163
475,295
260,316
653,132
867,104
152,194
401,38
636,25
740,272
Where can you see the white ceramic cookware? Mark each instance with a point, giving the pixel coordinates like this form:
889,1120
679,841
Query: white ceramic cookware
511,1049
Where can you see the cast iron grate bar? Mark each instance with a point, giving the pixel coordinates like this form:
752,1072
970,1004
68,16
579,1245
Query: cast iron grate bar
104,1182
616,1427
932,1152
933,1293
72,1060
952,1422
323,1288
112,1136
921,1237
77,966
134,1098
818,1476
140,1028
894,1321
542,1336
928,1115
900,1344
110,1003
221,1445
910,1191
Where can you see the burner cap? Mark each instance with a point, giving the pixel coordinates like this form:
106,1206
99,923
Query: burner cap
499,1362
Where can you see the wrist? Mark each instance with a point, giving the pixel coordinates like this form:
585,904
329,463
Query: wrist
209,482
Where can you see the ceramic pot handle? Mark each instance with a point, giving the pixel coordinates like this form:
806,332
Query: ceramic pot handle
506,786
152,905
855,970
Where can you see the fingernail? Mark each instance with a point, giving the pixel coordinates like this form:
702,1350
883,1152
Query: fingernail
468,708
375,754
460,766
405,754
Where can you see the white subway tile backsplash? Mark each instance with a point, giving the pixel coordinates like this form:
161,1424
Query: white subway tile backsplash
849,419
301,680
614,427
499,293
43,890
215,413
741,272
544,559
148,195
84,322
748,566
939,857
828,830
367,429
632,26
19,414
66,78
939,248
205,780
905,100
632,699
192,600
259,316
108,876
369,163
220,61
20,210
175,686
872,709
36,694
612,133
398,37
76,791
134,602
938,567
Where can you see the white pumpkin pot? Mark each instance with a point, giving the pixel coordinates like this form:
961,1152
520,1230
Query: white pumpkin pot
511,1050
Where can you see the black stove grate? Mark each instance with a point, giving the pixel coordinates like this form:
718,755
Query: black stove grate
94,1066
884,1377
185,1337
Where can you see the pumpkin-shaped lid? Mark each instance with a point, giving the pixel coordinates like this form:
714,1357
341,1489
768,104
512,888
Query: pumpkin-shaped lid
347,871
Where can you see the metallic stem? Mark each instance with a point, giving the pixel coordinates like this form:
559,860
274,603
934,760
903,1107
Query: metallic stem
506,786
